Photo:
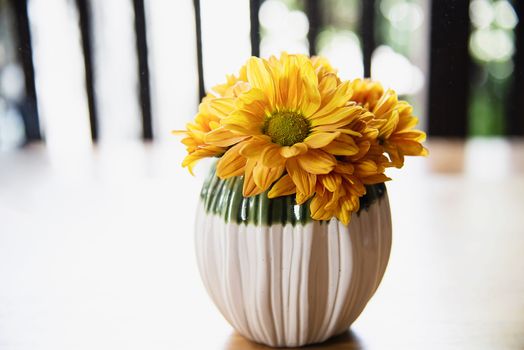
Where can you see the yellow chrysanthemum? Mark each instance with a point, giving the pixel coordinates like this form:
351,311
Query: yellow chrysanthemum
204,122
337,194
207,120
369,163
290,125
291,122
366,92
393,119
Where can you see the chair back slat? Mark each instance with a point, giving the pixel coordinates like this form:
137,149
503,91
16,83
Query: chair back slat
85,19
143,69
367,33
200,65
25,55
449,70
254,7
314,15
515,110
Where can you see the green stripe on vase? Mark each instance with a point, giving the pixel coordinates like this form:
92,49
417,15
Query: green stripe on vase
224,198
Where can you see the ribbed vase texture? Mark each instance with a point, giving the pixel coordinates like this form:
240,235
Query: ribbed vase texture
295,283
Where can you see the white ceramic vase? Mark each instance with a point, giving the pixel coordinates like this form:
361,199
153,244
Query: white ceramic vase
279,277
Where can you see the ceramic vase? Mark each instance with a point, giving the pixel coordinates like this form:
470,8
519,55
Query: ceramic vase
281,278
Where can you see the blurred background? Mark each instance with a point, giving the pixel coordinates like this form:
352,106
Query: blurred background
96,214
73,73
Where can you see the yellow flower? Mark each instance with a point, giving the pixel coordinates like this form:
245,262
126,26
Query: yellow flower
394,121
337,194
204,122
369,163
290,125
292,122
366,92
234,85
207,120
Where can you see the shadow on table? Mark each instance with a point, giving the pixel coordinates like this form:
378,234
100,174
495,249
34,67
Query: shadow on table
347,341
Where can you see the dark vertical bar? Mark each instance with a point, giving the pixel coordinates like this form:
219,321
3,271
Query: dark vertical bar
367,33
198,27
254,7
143,69
315,21
84,14
515,116
449,68
25,54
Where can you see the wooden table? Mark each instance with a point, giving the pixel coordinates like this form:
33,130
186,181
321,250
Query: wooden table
96,252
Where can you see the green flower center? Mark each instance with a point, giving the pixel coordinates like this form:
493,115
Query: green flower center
286,128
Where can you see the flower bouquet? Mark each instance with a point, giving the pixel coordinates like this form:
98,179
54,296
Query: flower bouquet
293,228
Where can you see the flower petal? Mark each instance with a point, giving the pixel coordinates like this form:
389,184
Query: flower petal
311,94
410,148
232,163
336,99
317,162
304,181
243,120
259,76
341,116
264,176
331,181
330,128
250,188
344,216
293,151
363,149
387,129
343,146
222,107
317,208
396,157
406,123
283,187
254,147
414,135
223,137
386,102
208,151
271,156
320,139
344,168
375,179
328,83
255,101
